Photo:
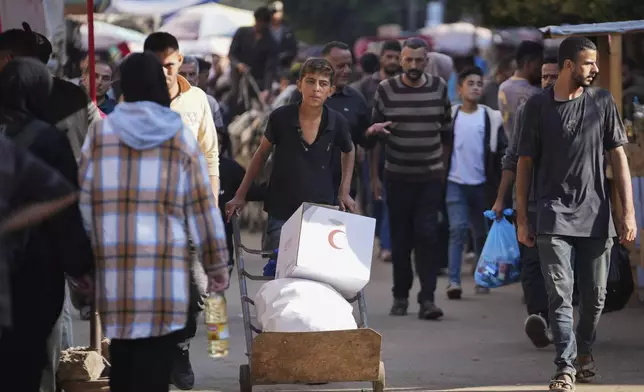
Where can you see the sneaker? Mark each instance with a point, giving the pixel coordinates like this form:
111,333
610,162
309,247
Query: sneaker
454,291
385,255
536,327
429,311
399,308
182,375
481,290
586,371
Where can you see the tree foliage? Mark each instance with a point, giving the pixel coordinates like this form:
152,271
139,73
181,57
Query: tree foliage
322,21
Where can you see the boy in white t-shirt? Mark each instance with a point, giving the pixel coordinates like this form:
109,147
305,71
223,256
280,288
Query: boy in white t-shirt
473,172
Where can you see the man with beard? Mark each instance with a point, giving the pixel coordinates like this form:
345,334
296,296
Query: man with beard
524,84
349,102
389,67
103,83
534,286
419,105
568,132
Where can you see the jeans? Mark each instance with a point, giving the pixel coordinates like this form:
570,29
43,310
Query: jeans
532,282
381,213
413,215
198,295
591,263
61,338
271,238
465,207
142,364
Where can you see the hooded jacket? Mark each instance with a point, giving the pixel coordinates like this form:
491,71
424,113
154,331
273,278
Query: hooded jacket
145,187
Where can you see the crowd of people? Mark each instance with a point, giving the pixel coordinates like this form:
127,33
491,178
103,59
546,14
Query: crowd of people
134,193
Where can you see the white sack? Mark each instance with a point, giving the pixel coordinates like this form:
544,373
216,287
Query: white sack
300,305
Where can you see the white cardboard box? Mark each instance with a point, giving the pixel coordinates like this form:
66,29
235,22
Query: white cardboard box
328,246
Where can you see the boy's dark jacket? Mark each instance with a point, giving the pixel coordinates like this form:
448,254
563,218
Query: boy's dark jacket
495,145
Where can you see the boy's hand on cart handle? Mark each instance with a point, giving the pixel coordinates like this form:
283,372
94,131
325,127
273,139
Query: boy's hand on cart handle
235,206
218,280
347,203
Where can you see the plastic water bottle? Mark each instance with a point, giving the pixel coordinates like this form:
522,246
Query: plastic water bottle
217,325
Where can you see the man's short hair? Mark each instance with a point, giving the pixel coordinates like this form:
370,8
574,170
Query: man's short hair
550,60
391,45
160,42
204,66
506,64
415,43
469,71
570,48
191,60
317,66
263,14
369,62
326,50
528,51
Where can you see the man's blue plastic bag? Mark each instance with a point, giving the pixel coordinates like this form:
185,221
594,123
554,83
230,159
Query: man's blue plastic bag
499,263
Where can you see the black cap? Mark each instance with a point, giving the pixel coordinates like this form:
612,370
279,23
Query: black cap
26,43
44,47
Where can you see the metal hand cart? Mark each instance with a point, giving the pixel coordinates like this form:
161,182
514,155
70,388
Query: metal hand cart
305,357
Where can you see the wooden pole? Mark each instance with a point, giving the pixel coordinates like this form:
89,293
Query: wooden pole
615,46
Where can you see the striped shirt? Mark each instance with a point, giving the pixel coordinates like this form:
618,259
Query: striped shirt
140,207
421,117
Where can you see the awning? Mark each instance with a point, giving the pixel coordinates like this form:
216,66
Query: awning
591,29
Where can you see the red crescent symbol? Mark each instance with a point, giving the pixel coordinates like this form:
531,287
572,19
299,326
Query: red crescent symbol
332,238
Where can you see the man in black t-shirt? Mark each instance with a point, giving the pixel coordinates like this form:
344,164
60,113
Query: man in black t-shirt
567,133
302,138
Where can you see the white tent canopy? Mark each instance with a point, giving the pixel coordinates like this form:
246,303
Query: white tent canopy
458,38
207,21
150,7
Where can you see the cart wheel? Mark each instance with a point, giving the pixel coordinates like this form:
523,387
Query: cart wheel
244,379
379,385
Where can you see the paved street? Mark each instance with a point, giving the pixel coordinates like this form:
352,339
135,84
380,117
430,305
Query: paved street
478,346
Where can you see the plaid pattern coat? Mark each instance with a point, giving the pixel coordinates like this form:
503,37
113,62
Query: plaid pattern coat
140,207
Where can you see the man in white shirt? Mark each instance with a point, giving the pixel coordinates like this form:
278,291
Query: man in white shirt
473,172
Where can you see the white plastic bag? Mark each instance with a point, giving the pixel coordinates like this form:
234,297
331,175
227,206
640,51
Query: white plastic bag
300,305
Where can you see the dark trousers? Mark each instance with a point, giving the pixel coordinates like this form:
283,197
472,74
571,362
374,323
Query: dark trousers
534,286
23,355
413,217
142,365
564,262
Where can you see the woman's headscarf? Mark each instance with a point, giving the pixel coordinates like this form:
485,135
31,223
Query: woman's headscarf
25,87
143,79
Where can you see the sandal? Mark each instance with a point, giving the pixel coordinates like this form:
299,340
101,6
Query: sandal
587,372
562,383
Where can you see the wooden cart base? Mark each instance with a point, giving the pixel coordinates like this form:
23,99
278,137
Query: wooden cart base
100,385
314,357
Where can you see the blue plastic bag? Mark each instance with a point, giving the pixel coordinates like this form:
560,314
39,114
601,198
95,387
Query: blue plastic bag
499,264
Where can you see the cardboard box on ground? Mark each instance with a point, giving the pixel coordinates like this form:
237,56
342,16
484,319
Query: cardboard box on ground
328,246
